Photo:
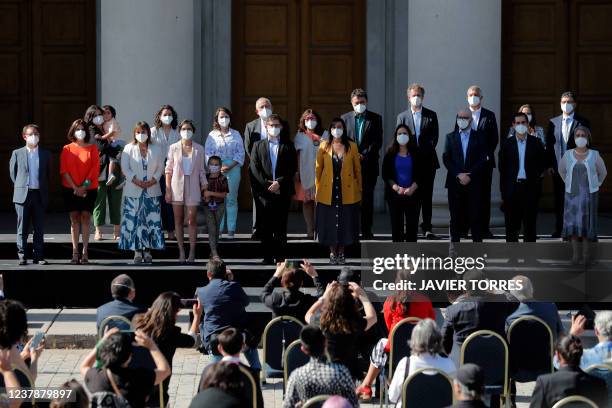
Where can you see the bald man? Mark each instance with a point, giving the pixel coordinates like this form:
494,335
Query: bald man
465,158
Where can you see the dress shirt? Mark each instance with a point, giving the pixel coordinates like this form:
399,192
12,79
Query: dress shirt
475,118
33,164
565,128
359,121
416,118
228,146
273,146
521,145
465,140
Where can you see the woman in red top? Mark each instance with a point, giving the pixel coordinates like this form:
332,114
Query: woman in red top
396,308
79,170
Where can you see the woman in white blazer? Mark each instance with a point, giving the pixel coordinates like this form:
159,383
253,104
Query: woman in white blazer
142,164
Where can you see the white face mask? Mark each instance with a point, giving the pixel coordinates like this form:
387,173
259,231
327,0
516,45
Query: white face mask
311,124
581,141
337,132
529,117
416,101
214,168
80,134
463,123
167,119
186,134
142,137
264,113
98,120
473,100
520,129
32,140
359,108
402,138
224,121
273,131
567,107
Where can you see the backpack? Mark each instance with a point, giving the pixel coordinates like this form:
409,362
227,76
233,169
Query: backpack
106,399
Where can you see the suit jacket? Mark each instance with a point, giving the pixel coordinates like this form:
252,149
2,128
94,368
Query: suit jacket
535,164
554,138
487,125
350,175
389,174
174,167
546,311
476,157
118,307
371,140
551,388
19,172
131,165
428,135
260,169
254,133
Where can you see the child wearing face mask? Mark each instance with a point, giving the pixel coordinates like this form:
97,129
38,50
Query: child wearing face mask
214,203
112,134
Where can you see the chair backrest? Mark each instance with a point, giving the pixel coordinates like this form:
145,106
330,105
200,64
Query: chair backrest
489,351
250,384
120,322
427,387
530,341
399,347
278,334
575,401
316,402
603,371
294,358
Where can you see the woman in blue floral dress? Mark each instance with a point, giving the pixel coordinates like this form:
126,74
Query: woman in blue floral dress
143,166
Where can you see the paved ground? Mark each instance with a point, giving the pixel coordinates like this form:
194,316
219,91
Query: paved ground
60,365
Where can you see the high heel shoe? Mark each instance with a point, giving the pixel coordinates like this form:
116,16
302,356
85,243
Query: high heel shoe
75,258
85,258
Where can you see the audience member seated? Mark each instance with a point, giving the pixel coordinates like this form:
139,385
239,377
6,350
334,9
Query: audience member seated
602,351
115,377
397,307
318,376
569,380
289,300
77,399
223,386
13,331
546,311
159,323
230,345
468,386
473,311
342,322
336,401
124,292
425,350
224,303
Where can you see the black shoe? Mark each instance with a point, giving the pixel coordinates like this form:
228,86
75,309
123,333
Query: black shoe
431,236
556,234
367,235
40,262
487,234
268,261
23,261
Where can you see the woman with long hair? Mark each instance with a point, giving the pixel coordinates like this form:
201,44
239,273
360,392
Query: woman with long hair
342,322
159,323
338,192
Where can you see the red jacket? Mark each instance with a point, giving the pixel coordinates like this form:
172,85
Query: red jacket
419,307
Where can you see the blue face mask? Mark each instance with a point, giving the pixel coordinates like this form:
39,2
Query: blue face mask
214,168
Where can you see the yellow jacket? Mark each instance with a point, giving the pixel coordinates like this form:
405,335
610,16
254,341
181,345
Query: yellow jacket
350,176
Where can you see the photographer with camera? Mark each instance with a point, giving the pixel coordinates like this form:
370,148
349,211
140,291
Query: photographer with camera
224,302
289,300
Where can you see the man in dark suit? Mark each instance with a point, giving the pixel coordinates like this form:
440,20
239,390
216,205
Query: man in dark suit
123,292
569,379
365,128
254,132
30,169
423,124
273,165
484,121
521,164
466,159
559,139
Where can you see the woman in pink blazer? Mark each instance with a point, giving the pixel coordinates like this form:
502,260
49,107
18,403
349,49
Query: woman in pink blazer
186,178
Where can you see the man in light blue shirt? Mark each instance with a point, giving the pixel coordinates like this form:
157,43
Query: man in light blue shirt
602,352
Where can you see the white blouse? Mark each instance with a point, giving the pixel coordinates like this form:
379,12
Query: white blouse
187,165
227,146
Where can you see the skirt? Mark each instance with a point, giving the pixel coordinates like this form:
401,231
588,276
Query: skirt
75,203
141,225
338,225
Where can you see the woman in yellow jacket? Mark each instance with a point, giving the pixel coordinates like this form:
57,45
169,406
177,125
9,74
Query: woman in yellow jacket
338,195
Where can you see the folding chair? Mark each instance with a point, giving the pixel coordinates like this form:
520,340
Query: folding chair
398,349
530,341
278,334
316,402
489,351
294,358
250,383
120,322
603,371
427,387
575,401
